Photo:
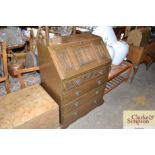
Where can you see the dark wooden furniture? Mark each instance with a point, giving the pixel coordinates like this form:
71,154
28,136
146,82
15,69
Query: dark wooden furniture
118,30
3,57
115,77
139,55
74,72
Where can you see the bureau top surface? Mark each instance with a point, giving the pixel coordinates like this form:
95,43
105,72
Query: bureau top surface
18,107
78,53
74,38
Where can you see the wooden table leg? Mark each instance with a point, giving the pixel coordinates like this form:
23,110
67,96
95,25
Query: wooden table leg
149,60
7,85
128,74
5,67
135,69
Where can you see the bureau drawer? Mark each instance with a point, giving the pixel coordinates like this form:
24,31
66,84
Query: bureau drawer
84,108
83,99
70,84
86,87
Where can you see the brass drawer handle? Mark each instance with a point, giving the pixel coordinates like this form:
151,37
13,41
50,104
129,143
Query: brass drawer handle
77,93
99,82
76,104
78,82
97,91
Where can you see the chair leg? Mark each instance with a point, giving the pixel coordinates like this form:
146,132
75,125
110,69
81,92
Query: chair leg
147,66
128,74
135,70
5,66
7,86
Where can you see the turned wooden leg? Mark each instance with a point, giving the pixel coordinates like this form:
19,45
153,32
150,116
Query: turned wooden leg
128,74
7,86
21,81
147,66
135,69
5,67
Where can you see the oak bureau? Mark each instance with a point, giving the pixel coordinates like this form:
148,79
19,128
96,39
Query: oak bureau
74,71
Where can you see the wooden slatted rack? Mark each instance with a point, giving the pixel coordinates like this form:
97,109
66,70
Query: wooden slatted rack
116,76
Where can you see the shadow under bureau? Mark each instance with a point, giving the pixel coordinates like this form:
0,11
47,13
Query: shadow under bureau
74,72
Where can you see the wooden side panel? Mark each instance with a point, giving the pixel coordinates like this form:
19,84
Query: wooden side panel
139,55
48,120
149,47
135,54
50,79
28,108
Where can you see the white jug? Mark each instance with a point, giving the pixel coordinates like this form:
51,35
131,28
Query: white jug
111,51
117,49
121,50
107,34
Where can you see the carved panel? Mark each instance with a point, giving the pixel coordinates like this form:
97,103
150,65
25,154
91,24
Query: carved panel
64,60
100,51
85,55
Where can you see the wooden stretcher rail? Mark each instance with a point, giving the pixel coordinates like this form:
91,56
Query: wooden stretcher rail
22,71
17,54
26,70
3,78
118,73
15,46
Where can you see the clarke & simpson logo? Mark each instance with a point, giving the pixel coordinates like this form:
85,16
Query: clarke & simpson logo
138,119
